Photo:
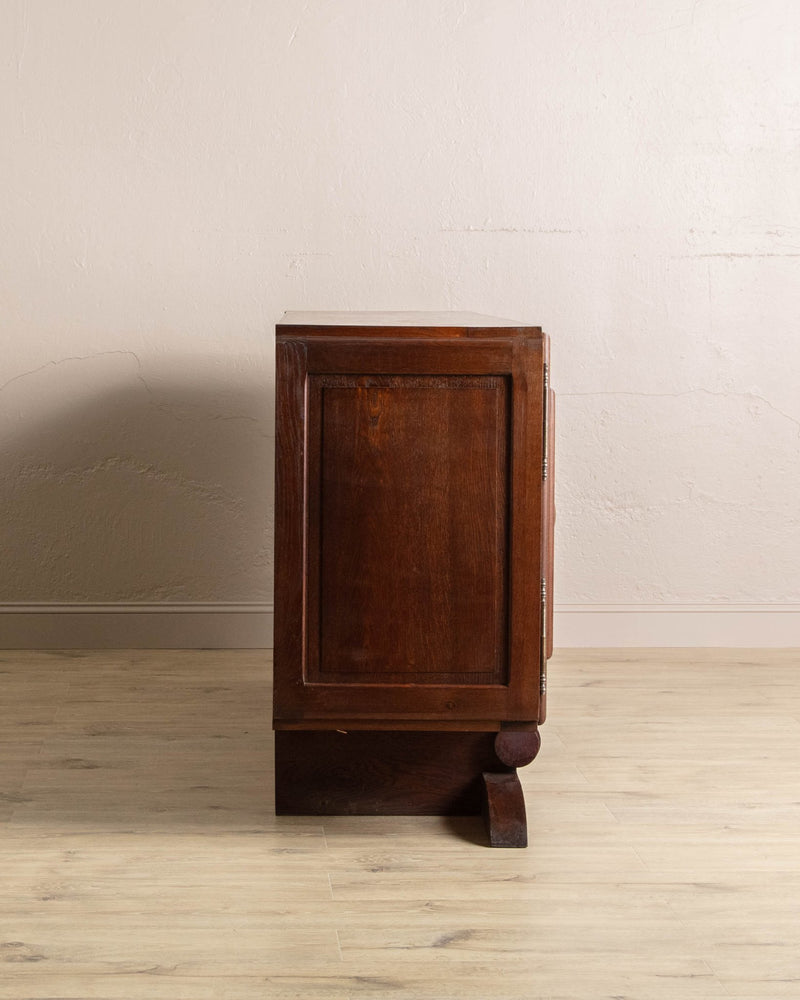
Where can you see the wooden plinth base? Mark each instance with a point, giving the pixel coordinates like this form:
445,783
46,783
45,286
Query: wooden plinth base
399,774
505,810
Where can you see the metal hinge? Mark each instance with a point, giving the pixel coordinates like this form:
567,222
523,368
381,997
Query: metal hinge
543,666
545,421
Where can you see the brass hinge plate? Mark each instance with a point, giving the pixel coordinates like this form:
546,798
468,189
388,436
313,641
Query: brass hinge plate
546,420
543,664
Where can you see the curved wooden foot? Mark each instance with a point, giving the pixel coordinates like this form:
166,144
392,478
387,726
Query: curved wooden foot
505,810
517,747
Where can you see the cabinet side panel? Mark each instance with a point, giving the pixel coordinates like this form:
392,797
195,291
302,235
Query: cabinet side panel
411,529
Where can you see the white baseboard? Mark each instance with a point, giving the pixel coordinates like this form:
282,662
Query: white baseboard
735,625
249,626
135,626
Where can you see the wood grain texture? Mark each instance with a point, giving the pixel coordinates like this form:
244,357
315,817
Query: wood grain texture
140,857
413,523
506,821
290,497
517,747
408,588
381,773
418,522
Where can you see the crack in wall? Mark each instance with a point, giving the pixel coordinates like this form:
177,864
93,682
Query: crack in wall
298,23
213,494
514,229
689,392
733,256
170,409
79,357
22,43
608,507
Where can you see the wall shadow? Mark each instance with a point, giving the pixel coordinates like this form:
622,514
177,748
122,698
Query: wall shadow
125,481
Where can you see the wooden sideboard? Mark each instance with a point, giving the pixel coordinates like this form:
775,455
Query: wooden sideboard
413,555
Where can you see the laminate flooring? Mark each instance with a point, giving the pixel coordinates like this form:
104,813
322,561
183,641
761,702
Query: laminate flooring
140,856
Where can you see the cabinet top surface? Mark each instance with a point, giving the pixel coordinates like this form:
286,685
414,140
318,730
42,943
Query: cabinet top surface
465,320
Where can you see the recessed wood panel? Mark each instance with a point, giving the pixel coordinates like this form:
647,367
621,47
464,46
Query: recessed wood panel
408,529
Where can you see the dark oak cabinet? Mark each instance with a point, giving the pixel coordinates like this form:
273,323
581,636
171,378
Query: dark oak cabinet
413,563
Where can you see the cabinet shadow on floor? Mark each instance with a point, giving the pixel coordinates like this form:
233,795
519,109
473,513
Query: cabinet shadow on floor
137,740
153,741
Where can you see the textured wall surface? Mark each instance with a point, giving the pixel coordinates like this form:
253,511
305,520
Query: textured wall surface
177,173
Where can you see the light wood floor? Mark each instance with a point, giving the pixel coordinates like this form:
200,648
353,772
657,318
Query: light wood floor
140,858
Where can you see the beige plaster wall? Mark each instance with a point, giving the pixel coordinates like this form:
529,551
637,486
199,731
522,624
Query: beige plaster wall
175,174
